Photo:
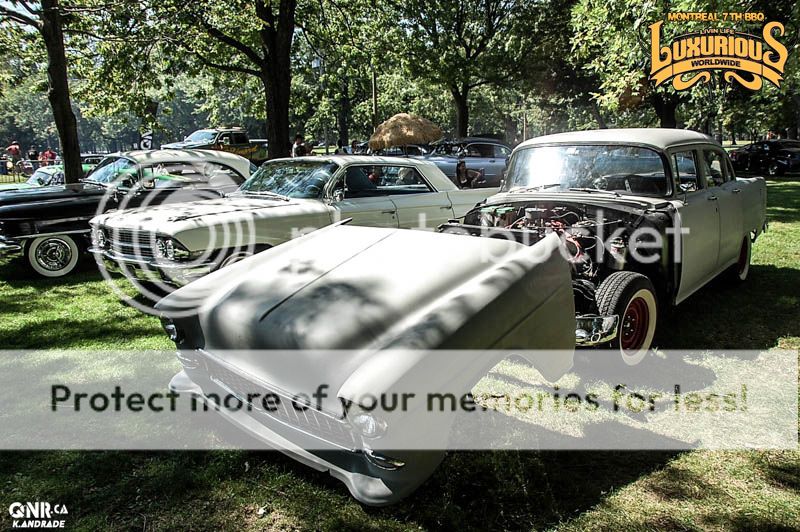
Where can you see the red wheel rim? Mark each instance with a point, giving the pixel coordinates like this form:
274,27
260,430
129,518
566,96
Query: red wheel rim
743,258
635,323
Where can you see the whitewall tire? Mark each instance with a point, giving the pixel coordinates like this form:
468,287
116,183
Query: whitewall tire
53,256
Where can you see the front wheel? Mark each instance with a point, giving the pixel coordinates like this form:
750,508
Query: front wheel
630,296
53,256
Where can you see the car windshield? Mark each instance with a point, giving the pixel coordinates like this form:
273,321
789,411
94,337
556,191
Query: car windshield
615,168
40,178
294,179
202,135
113,169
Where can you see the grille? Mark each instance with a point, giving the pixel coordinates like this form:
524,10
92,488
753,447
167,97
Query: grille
131,243
319,424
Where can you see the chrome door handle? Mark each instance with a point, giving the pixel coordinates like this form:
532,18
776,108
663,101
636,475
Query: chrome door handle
736,190
712,198
445,208
388,212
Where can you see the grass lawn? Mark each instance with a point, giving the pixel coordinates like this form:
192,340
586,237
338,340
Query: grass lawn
237,490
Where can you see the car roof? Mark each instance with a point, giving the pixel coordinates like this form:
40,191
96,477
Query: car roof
241,164
661,138
430,170
356,159
157,156
484,140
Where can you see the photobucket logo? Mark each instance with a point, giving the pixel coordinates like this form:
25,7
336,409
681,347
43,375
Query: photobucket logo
157,245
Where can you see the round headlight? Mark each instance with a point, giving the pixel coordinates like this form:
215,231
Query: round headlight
100,238
165,248
169,251
161,248
369,425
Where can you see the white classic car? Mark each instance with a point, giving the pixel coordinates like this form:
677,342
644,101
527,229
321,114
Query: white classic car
590,231
285,198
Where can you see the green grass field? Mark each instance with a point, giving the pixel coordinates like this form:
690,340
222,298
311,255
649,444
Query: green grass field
237,490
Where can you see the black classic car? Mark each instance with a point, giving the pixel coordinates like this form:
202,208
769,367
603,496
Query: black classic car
49,225
775,157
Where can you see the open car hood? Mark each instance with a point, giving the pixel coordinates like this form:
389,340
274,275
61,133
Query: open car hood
369,290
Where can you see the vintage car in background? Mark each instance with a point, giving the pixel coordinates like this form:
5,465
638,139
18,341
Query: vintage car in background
44,176
773,157
283,199
577,249
49,225
488,156
407,150
229,139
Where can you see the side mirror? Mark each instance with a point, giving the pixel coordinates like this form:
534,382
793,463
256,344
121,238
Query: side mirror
337,196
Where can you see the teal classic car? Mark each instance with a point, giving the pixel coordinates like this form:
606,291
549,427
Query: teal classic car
44,176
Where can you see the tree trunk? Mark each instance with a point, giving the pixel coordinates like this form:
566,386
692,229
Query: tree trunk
276,74
665,109
58,90
601,122
461,100
276,88
343,114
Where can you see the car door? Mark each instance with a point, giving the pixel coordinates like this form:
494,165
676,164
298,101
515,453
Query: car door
718,179
496,166
360,198
418,204
698,222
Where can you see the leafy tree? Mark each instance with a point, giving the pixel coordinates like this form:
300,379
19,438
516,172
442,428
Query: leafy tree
46,18
463,44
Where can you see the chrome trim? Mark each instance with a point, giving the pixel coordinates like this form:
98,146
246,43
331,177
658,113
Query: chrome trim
592,329
382,461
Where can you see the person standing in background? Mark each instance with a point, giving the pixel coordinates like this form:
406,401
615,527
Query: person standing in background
299,146
48,155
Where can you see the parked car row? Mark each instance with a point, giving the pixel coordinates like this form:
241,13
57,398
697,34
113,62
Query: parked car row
590,236
773,157
49,225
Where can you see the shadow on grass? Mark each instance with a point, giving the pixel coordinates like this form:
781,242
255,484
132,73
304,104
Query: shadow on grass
755,314
203,490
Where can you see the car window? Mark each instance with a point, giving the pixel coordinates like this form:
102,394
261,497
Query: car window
714,168
239,138
292,178
188,174
480,150
401,180
685,168
114,169
501,152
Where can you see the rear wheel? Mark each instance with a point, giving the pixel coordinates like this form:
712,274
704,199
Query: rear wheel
630,296
738,272
53,256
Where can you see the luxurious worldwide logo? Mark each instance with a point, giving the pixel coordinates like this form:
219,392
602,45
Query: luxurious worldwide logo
742,57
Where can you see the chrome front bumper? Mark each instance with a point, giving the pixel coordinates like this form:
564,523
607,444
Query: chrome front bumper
9,247
593,330
370,484
173,273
